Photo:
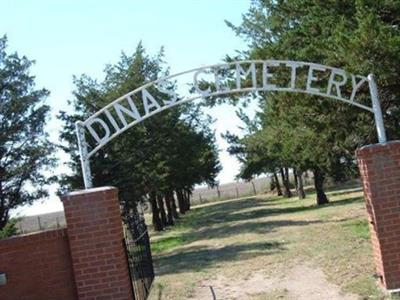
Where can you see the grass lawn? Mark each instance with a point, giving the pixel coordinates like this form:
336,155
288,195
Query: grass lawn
267,247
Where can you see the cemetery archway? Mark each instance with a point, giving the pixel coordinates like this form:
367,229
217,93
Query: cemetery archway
246,76
378,163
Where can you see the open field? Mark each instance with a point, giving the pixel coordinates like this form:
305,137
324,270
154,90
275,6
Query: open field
29,224
237,189
41,222
230,190
267,247
201,195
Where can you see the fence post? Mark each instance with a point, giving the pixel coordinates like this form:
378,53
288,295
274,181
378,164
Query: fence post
39,223
254,188
201,200
218,191
237,191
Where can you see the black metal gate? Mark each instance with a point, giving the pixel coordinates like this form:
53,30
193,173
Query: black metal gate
138,252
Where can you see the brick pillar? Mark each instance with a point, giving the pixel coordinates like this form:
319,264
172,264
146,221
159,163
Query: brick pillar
96,244
379,166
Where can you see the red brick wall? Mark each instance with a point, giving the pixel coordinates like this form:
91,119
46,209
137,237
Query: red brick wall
380,170
87,261
96,242
38,267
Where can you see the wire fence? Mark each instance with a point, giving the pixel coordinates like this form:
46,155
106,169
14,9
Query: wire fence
238,189
231,190
200,195
42,222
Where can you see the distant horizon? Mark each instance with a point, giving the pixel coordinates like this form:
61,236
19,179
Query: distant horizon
196,190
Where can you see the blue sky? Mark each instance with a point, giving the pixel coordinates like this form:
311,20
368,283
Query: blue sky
73,37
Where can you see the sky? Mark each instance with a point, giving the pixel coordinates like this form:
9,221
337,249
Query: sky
73,37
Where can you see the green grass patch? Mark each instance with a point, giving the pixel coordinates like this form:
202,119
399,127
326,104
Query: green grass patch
166,244
365,287
359,228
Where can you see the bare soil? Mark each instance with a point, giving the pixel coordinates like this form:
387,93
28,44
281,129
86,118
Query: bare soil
302,282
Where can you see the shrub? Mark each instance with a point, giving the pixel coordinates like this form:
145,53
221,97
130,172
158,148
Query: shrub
9,230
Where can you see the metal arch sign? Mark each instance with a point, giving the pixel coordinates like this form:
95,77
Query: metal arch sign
246,76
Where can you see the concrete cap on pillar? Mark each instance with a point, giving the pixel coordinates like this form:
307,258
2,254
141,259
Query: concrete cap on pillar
103,189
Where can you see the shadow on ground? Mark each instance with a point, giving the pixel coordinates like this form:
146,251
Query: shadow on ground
242,228
197,258
232,211
229,218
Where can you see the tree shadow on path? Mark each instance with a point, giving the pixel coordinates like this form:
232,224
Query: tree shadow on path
231,211
197,258
230,218
227,230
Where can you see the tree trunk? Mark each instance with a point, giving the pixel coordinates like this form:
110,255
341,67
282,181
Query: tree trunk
3,211
187,193
168,204
3,218
181,201
319,178
3,223
286,170
155,213
288,182
254,188
277,184
296,182
160,203
300,186
174,208
286,188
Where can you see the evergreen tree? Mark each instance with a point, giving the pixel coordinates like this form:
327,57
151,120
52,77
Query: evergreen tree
162,156
361,36
25,150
